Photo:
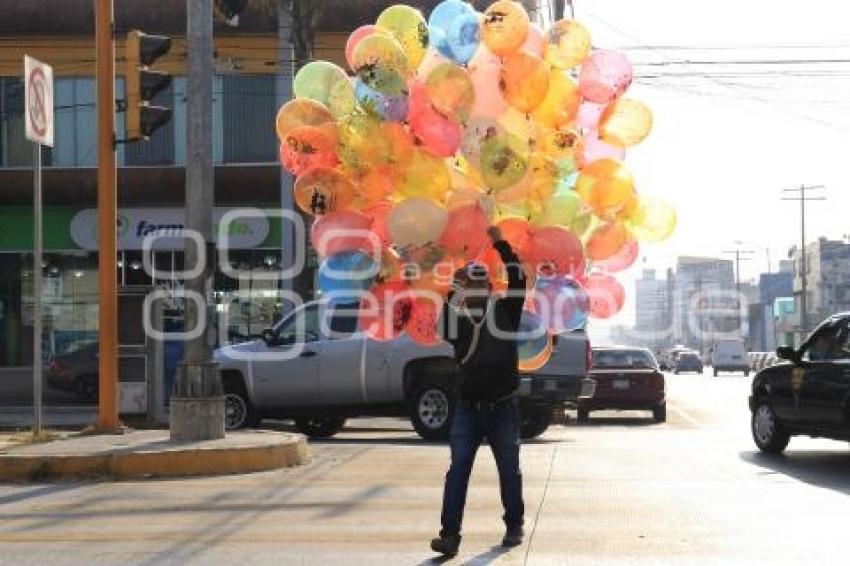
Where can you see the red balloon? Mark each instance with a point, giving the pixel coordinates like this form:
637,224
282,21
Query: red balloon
606,295
385,310
344,231
422,326
465,234
621,260
380,214
556,251
438,134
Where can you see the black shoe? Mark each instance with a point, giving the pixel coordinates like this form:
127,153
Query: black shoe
513,537
446,545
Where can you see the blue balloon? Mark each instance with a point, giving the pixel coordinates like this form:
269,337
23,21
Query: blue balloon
454,30
346,275
387,107
533,337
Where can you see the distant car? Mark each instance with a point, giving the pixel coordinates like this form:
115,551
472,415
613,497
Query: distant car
75,371
807,394
730,355
688,361
626,379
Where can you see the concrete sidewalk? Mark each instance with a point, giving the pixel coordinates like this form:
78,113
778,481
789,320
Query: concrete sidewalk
149,453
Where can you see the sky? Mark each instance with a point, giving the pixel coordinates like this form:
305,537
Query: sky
728,138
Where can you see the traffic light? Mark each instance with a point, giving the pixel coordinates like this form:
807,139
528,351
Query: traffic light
141,50
228,10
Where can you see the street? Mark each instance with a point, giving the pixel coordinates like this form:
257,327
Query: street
619,490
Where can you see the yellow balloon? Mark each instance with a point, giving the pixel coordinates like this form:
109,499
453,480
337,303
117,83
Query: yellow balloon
560,106
409,28
562,144
606,186
567,44
379,51
302,112
524,80
625,122
416,222
505,27
653,220
538,185
426,176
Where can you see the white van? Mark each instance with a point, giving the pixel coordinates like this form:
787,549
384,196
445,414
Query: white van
730,355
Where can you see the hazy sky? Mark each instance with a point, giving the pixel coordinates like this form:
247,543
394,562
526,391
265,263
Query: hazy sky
727,137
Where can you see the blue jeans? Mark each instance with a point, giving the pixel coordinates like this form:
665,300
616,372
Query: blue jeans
500,425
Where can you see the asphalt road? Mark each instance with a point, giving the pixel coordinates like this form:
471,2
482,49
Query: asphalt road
619,490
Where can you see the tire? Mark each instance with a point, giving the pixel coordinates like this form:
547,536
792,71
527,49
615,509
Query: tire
534,421
432,407
86,387
715,372
768,433
583,415
659,413
746,373
320,427
239,412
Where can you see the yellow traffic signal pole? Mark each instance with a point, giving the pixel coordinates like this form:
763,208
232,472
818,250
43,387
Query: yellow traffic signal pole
107,415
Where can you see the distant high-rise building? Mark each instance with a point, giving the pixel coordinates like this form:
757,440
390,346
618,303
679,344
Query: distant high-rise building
828,284
705,302
652,311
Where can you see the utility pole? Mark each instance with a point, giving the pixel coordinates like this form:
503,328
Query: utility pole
107,213
801,197
283,89
197,408
740,255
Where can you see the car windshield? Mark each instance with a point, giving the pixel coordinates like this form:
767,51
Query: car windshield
688,357
623,359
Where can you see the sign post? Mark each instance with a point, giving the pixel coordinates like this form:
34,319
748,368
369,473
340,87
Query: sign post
38,95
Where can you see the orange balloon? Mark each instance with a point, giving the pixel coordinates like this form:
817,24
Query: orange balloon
319,191
305,147
524,80
606,241
560,106
517,232
563,144
567,44
625,122
505,27
451,91
606,186
302,112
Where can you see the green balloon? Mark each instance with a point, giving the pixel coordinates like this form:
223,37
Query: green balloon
316,80
561,210
503,160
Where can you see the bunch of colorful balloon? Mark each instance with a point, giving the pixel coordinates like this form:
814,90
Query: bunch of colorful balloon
455,123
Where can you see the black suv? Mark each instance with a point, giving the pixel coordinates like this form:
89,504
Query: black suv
809,393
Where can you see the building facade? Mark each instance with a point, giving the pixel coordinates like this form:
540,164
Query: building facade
653,315
828,279
706,306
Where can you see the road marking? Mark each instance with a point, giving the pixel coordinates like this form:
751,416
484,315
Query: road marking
686,416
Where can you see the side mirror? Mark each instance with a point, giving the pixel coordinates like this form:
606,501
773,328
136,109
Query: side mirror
786,353
268,336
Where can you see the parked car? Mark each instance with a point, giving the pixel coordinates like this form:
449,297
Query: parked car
688,361
808,393
340,373
626,379
75,371
730,355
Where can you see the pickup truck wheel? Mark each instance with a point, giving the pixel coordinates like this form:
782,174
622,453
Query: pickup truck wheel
535,421
432,409
768,433
238,410
583,415
320,427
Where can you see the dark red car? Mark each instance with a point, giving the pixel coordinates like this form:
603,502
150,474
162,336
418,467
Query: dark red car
626,379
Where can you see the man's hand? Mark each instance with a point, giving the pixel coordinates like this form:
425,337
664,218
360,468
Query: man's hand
495,234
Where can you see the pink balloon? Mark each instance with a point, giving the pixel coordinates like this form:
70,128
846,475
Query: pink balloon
621,260
606,295
466,232
534,42
344,231
595,148
485,69
589,114
438,134
355,38
556,251
605,75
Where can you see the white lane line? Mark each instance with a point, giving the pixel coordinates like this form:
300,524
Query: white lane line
686,416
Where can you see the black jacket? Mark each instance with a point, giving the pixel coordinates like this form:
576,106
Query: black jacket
491,373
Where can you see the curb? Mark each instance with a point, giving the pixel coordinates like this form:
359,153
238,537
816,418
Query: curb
288,450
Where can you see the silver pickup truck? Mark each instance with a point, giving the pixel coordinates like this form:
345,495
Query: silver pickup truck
316,368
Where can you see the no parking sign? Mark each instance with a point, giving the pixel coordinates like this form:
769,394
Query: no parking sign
38,95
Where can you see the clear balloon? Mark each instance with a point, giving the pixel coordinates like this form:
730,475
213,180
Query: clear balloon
606,187
606,295
416,222
567,44
454,30
320,191
344,231
465,234
605,75
426,176
556,251
562,303
316,80
408,27
653,220
625,122
345,276
561,104
534,346
505,27
385,310
302,112
451,91
606,241
524,80
307,147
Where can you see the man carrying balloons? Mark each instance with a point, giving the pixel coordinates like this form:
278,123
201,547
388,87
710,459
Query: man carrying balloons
483,330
